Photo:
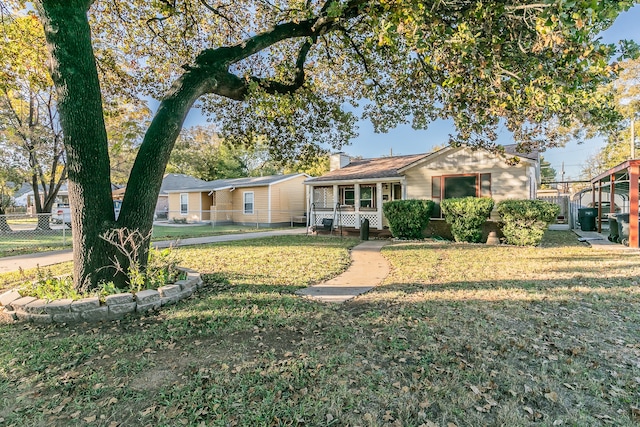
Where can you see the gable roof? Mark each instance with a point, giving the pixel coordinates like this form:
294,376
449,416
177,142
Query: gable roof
178,181
511,150
384,167
252,181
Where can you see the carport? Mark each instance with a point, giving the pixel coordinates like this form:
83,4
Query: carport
622,179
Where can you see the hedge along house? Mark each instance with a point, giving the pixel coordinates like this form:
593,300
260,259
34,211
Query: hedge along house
356,190
265,201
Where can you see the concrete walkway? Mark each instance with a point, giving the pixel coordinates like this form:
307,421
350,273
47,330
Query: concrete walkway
367,270
42,259
600,241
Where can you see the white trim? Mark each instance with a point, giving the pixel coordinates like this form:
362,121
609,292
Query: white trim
347,181
244,202
269,204
379,204
180,204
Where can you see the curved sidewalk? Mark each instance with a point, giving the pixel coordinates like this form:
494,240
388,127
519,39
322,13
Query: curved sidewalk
367,270
42,259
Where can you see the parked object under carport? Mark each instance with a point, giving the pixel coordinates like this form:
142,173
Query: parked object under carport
587,218
614,235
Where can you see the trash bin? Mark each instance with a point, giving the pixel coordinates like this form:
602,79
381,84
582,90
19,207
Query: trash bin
364,229
587,218
623,228
614,235
327,223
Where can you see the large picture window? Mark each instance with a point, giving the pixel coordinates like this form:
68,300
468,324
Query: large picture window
456,186
460,186
248,202
184,203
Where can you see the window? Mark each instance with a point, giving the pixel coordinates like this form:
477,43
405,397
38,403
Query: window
460,186
436,195
347,196
367,196
456,186
485,185
397,192
323,197
248,202
184,203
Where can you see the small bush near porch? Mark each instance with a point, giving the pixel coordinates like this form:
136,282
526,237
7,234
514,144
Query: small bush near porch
408,218
466,216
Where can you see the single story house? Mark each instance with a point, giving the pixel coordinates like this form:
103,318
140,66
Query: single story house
173,182
356,190
265,200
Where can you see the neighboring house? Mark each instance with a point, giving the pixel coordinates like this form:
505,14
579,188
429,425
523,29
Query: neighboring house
266,200
356,190
21,194
173,182
26,196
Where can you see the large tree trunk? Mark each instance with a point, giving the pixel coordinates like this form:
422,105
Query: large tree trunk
145,180
85,139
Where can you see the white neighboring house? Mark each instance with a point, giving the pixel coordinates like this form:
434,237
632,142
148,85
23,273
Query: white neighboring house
21,195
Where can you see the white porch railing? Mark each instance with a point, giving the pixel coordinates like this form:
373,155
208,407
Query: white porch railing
348,219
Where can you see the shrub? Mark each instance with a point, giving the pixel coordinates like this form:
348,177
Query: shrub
408,218
466,216
524,221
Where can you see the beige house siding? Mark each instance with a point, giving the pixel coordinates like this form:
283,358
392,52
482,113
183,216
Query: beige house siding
221,210
260,205
507,182
288,199
196,209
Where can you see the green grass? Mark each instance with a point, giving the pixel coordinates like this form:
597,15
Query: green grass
458,333
28,241
165,232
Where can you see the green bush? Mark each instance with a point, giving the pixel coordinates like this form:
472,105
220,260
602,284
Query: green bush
466,216
408,218
524,221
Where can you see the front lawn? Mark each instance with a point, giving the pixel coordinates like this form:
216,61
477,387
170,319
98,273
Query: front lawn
28,241
459,334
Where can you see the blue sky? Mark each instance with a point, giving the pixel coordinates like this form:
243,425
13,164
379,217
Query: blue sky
405,140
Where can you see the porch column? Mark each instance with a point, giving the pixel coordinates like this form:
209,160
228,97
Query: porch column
336,200
356,203
310,199
379,204
634,176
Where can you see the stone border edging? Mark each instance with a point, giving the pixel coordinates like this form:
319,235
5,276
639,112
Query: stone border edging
14,306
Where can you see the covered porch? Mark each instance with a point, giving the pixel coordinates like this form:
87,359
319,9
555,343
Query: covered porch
349,204
623,179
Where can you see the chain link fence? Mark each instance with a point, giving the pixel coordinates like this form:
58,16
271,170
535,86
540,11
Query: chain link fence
24,233
29,233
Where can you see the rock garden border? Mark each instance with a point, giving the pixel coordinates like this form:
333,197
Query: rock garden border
17,308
